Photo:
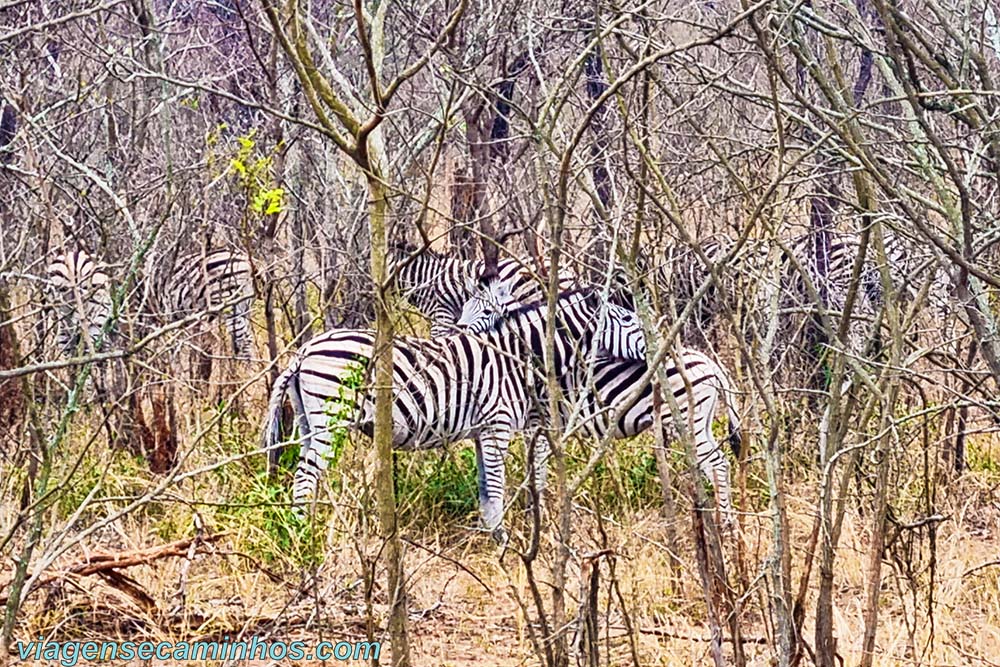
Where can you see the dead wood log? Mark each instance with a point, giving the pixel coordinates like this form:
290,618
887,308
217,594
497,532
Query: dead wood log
103,563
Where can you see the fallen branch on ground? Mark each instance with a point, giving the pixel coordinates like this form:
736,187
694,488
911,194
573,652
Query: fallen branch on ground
103,563
661,632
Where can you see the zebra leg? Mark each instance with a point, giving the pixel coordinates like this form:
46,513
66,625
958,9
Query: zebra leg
314,447
67,335
239,329
491,453
313,461
711,459
540,449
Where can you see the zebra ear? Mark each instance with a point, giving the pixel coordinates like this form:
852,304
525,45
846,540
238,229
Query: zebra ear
488,275
503,293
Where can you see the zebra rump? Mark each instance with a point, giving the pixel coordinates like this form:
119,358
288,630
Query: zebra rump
78,291
210,280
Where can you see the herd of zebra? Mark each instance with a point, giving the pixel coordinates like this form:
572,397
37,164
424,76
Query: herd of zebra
80,295
481,373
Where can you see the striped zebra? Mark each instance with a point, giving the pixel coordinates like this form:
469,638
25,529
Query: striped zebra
776,279
78,293
613,381
680,274
438,286
827,262
762,283
483,385
213,280
598,397
772,280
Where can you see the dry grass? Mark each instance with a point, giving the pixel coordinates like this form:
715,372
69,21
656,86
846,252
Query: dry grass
266,577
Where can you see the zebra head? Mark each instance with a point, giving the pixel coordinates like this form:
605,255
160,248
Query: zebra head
617,330
619,333
490,301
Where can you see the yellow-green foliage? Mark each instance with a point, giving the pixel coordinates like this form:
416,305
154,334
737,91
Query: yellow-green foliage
982,457
410,321
252,169
625,480
260,517
436,485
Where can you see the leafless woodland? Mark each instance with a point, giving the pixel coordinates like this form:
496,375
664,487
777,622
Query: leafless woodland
593,139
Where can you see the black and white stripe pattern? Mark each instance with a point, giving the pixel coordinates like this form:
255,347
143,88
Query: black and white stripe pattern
768,276
597,396
483,386
759,283
440,286
613,381
682,272
210,280
78,291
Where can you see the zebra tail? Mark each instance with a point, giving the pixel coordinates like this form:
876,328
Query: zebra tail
272,424
729,396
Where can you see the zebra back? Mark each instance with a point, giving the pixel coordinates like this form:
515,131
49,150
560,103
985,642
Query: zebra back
581,314
218,280
203,281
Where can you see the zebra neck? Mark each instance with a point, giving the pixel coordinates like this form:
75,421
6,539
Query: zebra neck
435,284
524,337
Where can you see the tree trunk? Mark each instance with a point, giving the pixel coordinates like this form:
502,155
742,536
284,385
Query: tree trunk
384,487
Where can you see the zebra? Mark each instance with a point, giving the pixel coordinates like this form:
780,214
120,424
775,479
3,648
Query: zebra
813,273
78,293
761,275
204,281
438,286
681,272
612,381
480,385
774,274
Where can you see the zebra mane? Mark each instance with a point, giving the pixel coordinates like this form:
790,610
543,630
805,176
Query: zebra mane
489,274
588,293
405,248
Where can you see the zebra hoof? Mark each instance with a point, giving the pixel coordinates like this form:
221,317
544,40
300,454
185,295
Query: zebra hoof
500,536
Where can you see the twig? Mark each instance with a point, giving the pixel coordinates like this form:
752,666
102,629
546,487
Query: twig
129,587
450,560
660,632
981,566
933,518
